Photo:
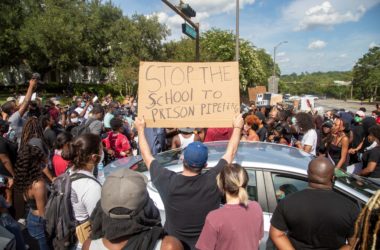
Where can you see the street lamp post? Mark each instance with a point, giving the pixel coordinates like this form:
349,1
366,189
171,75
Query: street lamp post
237,31
274,57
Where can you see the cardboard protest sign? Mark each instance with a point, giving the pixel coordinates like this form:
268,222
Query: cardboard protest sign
307,104
179,95
275,98
252,92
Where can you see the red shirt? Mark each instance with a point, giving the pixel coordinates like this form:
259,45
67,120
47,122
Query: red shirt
60,165
218,134
54,112
232,227
117,142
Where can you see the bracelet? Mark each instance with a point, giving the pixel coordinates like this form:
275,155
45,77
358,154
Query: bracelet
239,127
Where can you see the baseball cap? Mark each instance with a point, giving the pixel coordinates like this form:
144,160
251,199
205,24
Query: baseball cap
186,130
196,154
360,113
328,124
124,188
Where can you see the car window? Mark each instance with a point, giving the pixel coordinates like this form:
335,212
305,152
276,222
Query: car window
358,183
166,159
285,185
252,186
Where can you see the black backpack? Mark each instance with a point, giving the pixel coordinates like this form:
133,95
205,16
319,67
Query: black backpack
84,128
59,213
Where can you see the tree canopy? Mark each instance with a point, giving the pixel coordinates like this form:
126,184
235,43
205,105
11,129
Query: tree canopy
366,74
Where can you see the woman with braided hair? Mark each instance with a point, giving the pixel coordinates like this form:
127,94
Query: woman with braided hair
30,183
367,226
32,134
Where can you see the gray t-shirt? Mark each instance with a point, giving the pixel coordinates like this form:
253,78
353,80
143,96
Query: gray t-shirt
16,123
95,126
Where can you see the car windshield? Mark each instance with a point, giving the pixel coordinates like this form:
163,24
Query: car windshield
168,158
358,183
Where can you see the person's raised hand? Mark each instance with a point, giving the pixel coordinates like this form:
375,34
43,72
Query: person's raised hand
33,83
139,124
238,121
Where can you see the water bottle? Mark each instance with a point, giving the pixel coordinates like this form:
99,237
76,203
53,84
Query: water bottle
101,177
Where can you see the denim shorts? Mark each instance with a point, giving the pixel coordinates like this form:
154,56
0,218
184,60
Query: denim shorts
36,228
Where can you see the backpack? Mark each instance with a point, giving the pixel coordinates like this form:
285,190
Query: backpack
59,213
84,128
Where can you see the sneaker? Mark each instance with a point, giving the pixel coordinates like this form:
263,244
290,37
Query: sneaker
22,221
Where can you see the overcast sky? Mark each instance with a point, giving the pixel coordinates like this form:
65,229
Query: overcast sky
322,35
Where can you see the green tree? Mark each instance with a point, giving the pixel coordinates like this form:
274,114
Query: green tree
366,74
318,83
142,41
267,63
52,35
11,19
218,45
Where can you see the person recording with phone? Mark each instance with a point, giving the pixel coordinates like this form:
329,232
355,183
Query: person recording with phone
15,114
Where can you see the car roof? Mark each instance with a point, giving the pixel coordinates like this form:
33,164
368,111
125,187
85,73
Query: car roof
250,154
257,155
263,154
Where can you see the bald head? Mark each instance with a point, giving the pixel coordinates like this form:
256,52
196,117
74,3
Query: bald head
321,172
171,243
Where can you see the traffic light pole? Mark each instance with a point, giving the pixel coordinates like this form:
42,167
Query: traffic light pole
188,20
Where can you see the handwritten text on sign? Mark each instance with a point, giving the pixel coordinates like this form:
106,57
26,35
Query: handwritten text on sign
188,94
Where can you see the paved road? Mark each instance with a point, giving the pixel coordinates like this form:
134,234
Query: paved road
349,105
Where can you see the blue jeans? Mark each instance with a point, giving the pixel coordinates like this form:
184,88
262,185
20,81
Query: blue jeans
36,229
12,226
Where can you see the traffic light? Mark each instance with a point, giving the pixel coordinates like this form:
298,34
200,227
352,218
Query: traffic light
187,10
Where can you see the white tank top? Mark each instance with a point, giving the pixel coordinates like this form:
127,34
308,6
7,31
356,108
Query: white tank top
97,245
186,141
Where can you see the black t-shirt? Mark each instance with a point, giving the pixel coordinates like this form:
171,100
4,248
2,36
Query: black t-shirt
10,149
316,219
187,200
372,155
50,137
262,133
358,135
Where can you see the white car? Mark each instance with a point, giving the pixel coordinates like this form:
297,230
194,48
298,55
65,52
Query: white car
274,171
294,97
315,98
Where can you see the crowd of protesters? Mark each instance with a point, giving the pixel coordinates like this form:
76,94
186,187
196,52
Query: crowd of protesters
41,141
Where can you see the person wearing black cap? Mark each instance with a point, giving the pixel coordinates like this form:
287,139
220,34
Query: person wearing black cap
189,196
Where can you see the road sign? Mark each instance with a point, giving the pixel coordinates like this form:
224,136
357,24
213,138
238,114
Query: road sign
189,31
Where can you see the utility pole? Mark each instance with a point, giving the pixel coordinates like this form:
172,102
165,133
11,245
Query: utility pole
237,31
189,28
